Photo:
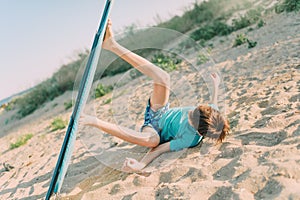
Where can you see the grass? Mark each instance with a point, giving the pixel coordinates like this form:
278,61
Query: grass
211,30
57,124
260,23
201,59
22,140
201,12
251,17
168,62
242,39
239,40
102,90
68,104
288,6
107,101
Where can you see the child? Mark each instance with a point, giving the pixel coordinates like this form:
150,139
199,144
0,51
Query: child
164,129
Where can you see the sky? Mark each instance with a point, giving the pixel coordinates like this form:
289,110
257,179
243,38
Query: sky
37,36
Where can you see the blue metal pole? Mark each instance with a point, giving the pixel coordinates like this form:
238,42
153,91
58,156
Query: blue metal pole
84,89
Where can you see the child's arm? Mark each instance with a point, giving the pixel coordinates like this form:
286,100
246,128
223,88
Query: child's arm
131,164
216,81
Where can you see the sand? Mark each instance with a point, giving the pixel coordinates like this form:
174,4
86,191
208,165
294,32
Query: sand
260,159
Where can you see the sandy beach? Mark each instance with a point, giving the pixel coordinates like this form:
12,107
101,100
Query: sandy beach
260,159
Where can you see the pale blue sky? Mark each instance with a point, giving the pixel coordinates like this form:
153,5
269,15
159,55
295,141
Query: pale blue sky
38,36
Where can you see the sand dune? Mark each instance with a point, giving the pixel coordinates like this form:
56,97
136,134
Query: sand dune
259,160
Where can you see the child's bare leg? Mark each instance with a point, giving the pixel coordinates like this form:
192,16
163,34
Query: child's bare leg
161,79
158,99
147,138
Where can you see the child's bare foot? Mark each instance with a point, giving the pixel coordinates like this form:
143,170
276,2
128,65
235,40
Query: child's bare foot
108,41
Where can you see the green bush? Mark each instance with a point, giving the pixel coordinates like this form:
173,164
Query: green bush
288,6
250,29
68,104
42,93
211,30
21,141
166,62
251,17
102,90
58,124
251,43
242,39
260,23
239,40
204,33
8,107
221,28
201,59
107,101
292,5
200,13
240,23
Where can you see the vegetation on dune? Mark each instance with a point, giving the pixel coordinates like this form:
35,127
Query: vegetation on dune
202,59
58,123
288,6
166,62
261,23
68,104
242,39
239,40
211,30
208,19
219,27
251,17
102,90
199,14
21,141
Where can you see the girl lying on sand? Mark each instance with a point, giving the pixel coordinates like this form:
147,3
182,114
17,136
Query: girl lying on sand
165,129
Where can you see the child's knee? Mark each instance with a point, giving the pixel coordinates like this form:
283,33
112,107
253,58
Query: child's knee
153,138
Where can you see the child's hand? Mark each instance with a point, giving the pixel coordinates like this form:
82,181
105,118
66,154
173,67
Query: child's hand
132,165
88,120
215,78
